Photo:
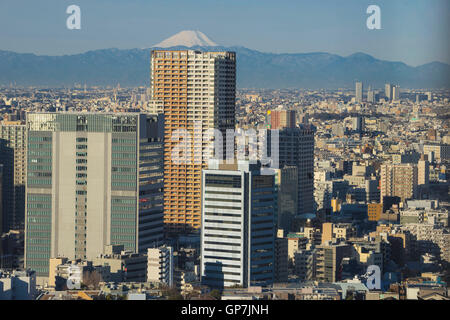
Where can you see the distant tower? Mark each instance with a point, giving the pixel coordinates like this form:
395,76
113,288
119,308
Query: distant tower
370,95
359,92
388,91
395,93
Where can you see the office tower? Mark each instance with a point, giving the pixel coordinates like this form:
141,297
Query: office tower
160,265
359,92
399,180
286,181
13,156
388,91
198,93
296,148
358,124
282,119
94,179
237,234
395,93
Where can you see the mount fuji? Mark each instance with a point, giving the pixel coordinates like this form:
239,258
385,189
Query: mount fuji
255,69
187,38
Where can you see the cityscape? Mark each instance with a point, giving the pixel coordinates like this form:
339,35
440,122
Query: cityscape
198,185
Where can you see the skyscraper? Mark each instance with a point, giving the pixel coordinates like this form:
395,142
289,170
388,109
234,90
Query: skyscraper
238,233
13,143
296,148
94,179
198,91
359,92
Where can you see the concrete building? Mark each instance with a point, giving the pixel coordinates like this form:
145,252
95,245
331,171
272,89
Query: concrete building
238,235
339,231
328,260
160,265
93,180
423,172
125,266
305,264
198,93
17,285
399,180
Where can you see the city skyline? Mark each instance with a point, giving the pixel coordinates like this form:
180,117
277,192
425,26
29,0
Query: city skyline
198,170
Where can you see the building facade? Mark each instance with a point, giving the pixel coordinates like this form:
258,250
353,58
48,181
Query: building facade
93,180
238,232
198,91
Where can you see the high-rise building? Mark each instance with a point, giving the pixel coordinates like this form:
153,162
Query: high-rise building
423,172
399,180
13,135
388,91
395,93
94,179
198,91
238,232
296,148
359,92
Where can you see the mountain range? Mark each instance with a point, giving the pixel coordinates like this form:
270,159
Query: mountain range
255,69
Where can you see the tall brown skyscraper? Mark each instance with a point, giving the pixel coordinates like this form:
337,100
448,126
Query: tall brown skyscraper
198,91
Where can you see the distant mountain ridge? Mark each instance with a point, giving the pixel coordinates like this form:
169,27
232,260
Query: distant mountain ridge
255,69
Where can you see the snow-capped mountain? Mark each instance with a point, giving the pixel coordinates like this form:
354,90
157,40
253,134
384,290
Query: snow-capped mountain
187,38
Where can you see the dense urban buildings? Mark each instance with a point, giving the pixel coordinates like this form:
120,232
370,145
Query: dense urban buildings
112,193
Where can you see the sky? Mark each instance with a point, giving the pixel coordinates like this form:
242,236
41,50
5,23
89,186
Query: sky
412,31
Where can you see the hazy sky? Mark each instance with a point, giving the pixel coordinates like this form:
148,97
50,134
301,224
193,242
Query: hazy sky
413,31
